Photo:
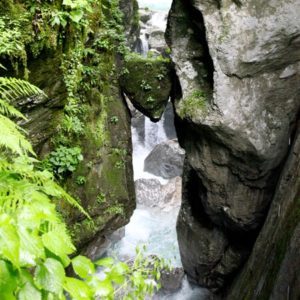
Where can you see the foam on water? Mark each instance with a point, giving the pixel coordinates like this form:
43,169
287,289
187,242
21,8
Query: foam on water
154,135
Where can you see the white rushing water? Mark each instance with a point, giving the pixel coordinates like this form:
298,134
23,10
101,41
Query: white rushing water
163,5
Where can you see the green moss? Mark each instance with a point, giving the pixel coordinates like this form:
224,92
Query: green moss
147,82
194,104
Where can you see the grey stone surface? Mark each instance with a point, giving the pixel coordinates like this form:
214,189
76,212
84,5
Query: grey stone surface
243,61
171,281
208,256
151,193
157,40
273,269
165,160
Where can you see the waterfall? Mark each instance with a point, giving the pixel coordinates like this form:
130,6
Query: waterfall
144,48
154,133
151,225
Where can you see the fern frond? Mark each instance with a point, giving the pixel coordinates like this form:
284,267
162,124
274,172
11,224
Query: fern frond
22,168
14,88
11,137
9,110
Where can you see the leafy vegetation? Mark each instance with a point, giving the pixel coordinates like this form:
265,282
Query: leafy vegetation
35,244
64,160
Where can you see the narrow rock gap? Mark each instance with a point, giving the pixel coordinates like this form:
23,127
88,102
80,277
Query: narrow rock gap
198,26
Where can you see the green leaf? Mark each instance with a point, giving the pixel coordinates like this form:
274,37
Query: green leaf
50,276
76,15
117,273
68,3
77,289
29,292
63,22
9,240
105,262
83,266
55,21
58,242
31,246
7,280
104,288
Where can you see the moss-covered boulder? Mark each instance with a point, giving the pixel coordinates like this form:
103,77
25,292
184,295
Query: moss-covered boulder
147,83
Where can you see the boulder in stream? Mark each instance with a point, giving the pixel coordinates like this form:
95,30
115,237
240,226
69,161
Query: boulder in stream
171,281
151,193
165,160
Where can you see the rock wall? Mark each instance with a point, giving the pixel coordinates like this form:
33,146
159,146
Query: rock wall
107,188
237,99
272,271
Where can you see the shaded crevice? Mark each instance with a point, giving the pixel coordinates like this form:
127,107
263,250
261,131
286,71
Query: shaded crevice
192,27
198,25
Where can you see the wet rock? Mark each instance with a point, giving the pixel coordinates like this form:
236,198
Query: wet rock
169,122
165,160
151,193
145,15
130,10
171,281
236,101
157,40
208,256
97,248
273,269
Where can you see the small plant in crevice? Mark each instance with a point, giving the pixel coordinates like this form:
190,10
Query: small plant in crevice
114,120
101,198
116,209
73,125
150,100
120,164
80,180
64,160
145,86
160,76
194,103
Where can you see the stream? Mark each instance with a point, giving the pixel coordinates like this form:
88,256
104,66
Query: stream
158,199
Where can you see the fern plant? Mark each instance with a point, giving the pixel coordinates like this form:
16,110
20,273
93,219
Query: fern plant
32,234
34,242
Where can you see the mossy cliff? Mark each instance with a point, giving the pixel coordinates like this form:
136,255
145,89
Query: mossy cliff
73,54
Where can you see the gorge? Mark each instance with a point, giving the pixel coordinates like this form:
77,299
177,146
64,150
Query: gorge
174,125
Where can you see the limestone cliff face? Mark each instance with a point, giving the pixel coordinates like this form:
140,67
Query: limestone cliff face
237,100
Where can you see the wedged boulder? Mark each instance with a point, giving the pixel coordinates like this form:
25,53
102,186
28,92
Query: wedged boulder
147,83
145,15
165,160
151,193
236,103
